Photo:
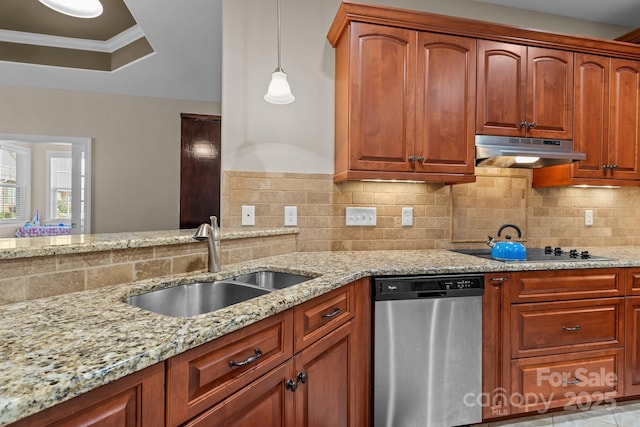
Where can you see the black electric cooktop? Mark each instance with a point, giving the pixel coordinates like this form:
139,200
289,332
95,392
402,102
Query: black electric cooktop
546,254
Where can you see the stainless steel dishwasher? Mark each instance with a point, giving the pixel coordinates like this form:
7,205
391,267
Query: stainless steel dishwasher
427,358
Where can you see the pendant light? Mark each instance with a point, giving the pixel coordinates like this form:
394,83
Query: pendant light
279,91
76,8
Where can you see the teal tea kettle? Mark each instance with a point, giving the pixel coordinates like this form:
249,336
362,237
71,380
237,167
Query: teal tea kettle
508,250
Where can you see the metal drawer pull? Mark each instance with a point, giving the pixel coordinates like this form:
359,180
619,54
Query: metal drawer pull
334,313
574,329
572,382
251,359
499,279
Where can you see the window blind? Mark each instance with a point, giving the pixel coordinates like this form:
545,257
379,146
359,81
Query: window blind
15,164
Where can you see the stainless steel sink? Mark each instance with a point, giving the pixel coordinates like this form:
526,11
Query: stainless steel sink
195,298
271,279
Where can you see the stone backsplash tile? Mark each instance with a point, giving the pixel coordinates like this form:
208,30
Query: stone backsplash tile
549,216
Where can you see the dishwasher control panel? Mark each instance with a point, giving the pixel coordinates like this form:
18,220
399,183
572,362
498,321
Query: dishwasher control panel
441,286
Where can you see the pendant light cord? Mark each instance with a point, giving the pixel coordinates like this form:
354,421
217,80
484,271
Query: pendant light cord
278,12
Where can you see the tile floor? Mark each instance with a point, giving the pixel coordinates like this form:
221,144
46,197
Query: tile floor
623,414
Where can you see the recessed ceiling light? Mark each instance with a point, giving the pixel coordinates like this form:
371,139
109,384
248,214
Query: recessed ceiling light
75,8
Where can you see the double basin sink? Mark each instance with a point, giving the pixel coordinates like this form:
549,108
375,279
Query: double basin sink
203,297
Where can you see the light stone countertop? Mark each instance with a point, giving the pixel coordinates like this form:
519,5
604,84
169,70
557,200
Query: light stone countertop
55,245
56,348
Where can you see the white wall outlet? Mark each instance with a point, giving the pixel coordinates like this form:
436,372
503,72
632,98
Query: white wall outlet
248,215
407,217
588,217
290,216
361,217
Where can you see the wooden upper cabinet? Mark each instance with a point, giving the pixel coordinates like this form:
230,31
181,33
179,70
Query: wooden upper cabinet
404,105
624,127
524,91
591,113
382,104
502,73
445,104
607,126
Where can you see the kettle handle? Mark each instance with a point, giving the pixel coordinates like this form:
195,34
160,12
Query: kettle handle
515,227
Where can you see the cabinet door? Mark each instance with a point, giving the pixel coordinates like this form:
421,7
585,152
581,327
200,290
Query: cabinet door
445,104
591,130
549,93
624,135
327,397
502,72
382,98
632,347
264,402
496,366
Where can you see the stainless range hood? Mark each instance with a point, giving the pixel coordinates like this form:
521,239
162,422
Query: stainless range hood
514,152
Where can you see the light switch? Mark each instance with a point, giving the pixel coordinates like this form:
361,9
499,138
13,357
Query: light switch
248,215
360,217
407,217
290,216
588,217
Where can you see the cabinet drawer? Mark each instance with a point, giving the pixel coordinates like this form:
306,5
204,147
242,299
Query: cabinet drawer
564,327
199,378
566,380
554,285
316,318
633,281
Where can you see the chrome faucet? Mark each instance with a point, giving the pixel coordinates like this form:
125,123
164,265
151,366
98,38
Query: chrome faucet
211,233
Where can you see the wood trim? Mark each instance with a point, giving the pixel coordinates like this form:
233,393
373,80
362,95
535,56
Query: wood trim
423,21
410,176
630,37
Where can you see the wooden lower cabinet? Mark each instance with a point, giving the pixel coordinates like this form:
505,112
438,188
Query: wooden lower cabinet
136,400
324,381
560,339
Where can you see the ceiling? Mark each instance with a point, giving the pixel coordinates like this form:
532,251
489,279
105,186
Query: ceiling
177,56
179,44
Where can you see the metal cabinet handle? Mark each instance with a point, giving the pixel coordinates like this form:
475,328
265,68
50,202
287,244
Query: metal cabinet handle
573,381
499,279
532,125
302,377
524,124
412,158
574,329
421,159
292,385
256,356
334,313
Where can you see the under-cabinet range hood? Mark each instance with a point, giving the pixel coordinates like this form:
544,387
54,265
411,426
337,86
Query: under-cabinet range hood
514,152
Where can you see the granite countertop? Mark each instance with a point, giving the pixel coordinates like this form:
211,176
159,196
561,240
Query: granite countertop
78,243
56,348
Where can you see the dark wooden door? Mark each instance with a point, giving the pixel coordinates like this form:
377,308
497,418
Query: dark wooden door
200,169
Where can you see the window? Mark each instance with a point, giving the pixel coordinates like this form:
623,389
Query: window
59,173
15,166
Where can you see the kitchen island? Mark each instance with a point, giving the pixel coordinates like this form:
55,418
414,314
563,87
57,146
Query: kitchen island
59,347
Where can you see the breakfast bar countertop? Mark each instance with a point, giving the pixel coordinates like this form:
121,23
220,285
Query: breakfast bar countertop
55,348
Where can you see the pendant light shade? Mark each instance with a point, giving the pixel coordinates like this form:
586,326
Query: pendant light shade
279,91
76,8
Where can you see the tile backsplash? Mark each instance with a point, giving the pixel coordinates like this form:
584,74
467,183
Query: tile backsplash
444,216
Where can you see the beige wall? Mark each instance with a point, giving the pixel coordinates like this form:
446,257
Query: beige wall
135,145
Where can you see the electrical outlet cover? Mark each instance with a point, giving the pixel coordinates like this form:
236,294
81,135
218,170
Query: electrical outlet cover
248,215
290,216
